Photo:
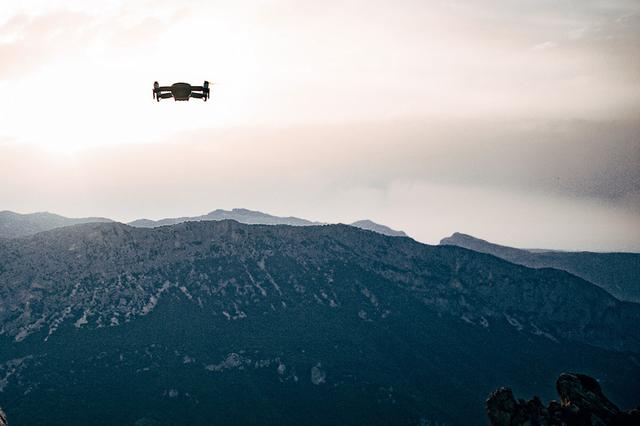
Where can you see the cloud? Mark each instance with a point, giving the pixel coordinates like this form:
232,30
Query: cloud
33,41
597,161
28,42
545,45
566,185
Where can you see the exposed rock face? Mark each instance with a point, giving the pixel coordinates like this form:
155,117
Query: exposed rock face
3,418
112,270
582,403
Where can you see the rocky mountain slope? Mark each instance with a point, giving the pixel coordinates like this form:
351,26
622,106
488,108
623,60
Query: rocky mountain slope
618,273
13,225
196,322
582,403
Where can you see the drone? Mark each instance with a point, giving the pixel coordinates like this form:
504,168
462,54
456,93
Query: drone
181,91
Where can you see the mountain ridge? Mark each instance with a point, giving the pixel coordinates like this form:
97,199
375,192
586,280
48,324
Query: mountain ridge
186,239
616,272
253,217
14,225
376,227
202,319
250,217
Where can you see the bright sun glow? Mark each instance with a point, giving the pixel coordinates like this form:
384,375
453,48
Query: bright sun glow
103,95
97,67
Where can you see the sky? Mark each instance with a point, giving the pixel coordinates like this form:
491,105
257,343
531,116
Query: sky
516,122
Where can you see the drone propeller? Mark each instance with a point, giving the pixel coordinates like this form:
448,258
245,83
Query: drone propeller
207,89
155,87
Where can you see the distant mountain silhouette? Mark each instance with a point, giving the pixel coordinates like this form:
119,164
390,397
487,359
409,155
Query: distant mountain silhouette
618,273
13,225
380,229
252,217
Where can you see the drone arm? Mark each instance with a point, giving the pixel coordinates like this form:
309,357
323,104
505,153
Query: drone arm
164,95
204,89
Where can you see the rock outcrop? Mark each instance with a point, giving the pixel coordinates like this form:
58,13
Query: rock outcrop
582,403
3,418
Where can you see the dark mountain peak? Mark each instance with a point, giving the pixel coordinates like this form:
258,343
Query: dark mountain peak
582,402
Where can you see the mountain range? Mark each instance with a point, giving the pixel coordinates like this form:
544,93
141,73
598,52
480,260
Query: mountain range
249,217
618,273
13,225
252,217
219,322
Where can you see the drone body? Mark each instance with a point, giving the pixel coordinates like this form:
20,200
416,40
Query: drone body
181,91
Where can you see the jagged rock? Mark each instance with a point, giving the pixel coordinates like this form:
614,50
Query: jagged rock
582,403
504,410
3,418
582,394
